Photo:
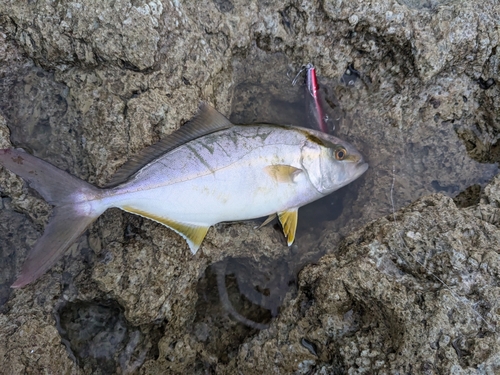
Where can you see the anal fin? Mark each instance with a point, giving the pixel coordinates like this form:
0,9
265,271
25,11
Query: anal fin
288,220
193,234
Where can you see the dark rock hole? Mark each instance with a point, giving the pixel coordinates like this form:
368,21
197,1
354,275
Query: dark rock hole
101,340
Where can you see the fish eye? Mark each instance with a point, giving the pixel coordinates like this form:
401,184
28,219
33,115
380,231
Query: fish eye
340,154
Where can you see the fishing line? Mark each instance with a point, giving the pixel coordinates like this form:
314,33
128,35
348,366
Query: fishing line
446,286
302,68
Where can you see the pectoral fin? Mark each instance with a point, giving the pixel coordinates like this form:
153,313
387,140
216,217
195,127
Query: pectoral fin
267,221
288,220
193,234
282,172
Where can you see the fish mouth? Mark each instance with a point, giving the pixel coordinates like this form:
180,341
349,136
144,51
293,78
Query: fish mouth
363,167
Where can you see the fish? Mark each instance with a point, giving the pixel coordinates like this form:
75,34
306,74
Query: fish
208,171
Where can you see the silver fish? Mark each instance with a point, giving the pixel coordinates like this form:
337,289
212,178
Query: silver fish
207,172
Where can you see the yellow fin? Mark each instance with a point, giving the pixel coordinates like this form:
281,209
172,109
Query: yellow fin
193,234
282,172
288,220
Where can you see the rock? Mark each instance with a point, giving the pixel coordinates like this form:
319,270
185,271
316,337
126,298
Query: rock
88,32
30,340
410,293
411,83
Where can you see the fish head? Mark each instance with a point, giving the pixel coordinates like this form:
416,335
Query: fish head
333,164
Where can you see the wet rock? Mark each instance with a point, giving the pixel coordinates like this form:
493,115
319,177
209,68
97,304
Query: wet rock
468,197
12,224
88,32
4,133
85,85
403,294
101,340
30,341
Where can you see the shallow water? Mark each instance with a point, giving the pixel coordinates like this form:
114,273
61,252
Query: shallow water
99,337
426,158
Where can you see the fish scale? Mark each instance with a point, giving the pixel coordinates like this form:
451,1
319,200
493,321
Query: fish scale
219,187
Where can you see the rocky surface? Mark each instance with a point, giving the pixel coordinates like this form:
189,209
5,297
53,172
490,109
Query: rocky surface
411,83
416,292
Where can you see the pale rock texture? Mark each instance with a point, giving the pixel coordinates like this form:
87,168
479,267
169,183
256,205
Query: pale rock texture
416,292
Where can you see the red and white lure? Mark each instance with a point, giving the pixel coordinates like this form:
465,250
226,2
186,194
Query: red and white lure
313,100
314,103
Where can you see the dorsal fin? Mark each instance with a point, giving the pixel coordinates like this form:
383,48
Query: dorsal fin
208,120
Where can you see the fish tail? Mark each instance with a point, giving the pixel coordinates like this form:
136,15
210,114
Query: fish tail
76,204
